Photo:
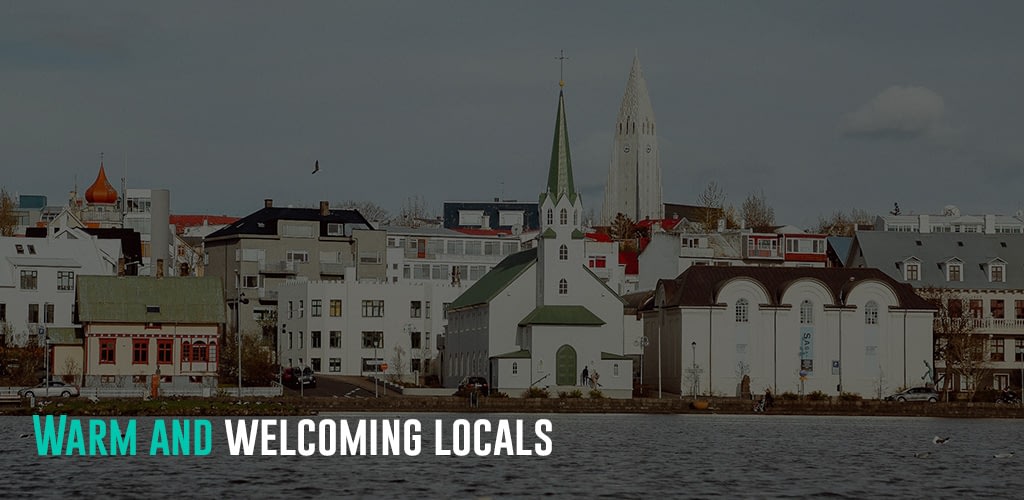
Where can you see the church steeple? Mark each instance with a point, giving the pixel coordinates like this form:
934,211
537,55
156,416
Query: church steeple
560,181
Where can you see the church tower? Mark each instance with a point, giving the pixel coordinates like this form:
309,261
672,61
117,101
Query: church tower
560,243
634,176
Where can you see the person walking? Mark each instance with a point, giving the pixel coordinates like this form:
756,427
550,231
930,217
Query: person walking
584,377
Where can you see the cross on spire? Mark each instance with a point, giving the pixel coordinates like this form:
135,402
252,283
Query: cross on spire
561,67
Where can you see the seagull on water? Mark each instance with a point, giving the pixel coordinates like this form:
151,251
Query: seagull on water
316,166
923,454
938,440
1003,455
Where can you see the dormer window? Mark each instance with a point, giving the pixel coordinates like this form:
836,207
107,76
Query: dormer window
997,271
911,269
954,271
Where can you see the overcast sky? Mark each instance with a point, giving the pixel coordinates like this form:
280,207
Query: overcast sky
823,105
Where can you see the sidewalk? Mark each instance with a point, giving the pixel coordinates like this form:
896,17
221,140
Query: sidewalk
364,383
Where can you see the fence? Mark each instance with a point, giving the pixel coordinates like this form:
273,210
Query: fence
137,392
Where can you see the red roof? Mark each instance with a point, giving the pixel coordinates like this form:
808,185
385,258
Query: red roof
181,222
630,260
666,224
602,237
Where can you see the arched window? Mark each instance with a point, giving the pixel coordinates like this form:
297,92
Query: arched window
742,307
563,217
540,365
199,351
806,313
615,370
551,217
515,368
871,313
563,252
563,287
575,217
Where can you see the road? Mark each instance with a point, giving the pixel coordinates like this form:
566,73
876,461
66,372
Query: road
342,387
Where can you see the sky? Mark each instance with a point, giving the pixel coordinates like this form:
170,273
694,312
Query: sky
820,105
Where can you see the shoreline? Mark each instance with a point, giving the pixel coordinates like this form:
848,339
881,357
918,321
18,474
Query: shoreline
294,406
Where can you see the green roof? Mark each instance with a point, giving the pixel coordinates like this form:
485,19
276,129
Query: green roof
64,335
561,315
142,299
560,172
548,233
520,354
496,279
607,356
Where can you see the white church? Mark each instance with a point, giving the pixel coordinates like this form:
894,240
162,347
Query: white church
541,317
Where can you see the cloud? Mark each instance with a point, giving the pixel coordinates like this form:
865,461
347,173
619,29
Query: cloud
898,113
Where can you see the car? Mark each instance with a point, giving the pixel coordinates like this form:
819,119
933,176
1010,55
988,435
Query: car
470,384
915,394
50,389
298,378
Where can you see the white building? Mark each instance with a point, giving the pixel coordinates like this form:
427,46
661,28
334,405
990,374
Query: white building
541,317
445,255
788,329
38,278
950,221
634,176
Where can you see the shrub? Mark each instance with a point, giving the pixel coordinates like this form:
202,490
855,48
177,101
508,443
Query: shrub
818,396
575,393
596,394
850,396
789,396
536,392
498,394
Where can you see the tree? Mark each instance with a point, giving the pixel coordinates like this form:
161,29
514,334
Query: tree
756,212
368,209
963,351
842,224
258,366
712,199
413,214
8,217
396,369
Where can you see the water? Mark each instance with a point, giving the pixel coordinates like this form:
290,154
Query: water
617,456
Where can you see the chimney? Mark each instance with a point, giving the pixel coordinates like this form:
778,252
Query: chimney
922,224
120,267
268,203
325,208
159,268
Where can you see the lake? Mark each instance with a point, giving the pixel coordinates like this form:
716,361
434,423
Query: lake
619,456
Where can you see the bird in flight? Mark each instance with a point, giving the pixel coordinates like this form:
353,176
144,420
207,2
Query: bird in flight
316,167
938,440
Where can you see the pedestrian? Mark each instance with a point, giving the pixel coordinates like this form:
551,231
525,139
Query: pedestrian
584,377
769,401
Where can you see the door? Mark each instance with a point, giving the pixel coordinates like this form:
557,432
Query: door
565,365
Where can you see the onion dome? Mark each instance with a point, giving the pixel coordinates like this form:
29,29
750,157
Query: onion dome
101,191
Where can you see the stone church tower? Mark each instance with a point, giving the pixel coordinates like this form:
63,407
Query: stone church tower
634,176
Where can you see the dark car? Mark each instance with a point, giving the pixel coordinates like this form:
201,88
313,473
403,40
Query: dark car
297,378
470,384
915,394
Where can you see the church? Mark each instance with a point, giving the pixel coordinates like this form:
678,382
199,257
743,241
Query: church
541,318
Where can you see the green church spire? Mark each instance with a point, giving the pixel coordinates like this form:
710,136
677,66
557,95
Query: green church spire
560,173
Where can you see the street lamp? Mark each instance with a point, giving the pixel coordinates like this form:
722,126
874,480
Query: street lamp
643,342
239,300
1020,354
693,371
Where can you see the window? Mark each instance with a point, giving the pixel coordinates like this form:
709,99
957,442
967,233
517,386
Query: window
806,313
48,313
315,362
291,340
373,340
428,309
314,339
563,252
1018,306
955,308
65,280
199,352
426,341
298,256
563,287
373,308
250,281
742,313
597,262
3,311
415,339
871,313
913,271
415,309
515,368
953,272
107,351
563,217
335,229
33,313
976,310
996,272
997,346
335,308
316,308
550,217
996,306
302,340
29,280
335,339
334,364
140,351
164,351
20,249
615,370
186,351
1018,350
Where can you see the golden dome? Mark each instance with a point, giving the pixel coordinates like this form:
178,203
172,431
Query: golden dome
101,191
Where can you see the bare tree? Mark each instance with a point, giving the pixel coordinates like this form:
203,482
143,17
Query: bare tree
842,224
414,213
963,351
712,199
396,369
8,217
370,210
756,212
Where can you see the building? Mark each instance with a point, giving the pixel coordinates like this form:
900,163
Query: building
38,280
789,329
138,326
984,272
265,249
950,221
541,317
445,255
506,215
634,176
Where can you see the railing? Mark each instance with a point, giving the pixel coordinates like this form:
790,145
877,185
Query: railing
766,254
988,324
279,267
332,268
113,392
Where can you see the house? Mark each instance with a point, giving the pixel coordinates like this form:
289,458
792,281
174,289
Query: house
138,326
951,221
541,318
508,215
788,329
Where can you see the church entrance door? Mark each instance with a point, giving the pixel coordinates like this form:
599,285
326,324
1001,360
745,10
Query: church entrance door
565,365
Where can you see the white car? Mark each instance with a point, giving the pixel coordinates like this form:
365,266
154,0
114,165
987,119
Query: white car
51,389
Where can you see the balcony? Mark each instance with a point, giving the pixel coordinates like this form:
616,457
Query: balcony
332,269
992,325
764,253
268,295
285,267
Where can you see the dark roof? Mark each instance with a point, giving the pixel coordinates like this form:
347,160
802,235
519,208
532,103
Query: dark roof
699,285
692,213
561,315
264,221
636,300
492,283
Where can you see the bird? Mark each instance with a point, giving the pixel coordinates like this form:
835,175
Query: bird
938,440
23,436
316,166
1003,455
923,454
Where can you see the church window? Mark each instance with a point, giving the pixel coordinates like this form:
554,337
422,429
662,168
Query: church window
563,253
563,217
551,217
871,313
806,313
742,311
575,217
515,368
563,287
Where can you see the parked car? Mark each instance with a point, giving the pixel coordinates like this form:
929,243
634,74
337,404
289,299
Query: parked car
915,394
469,384
50,389
299,378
